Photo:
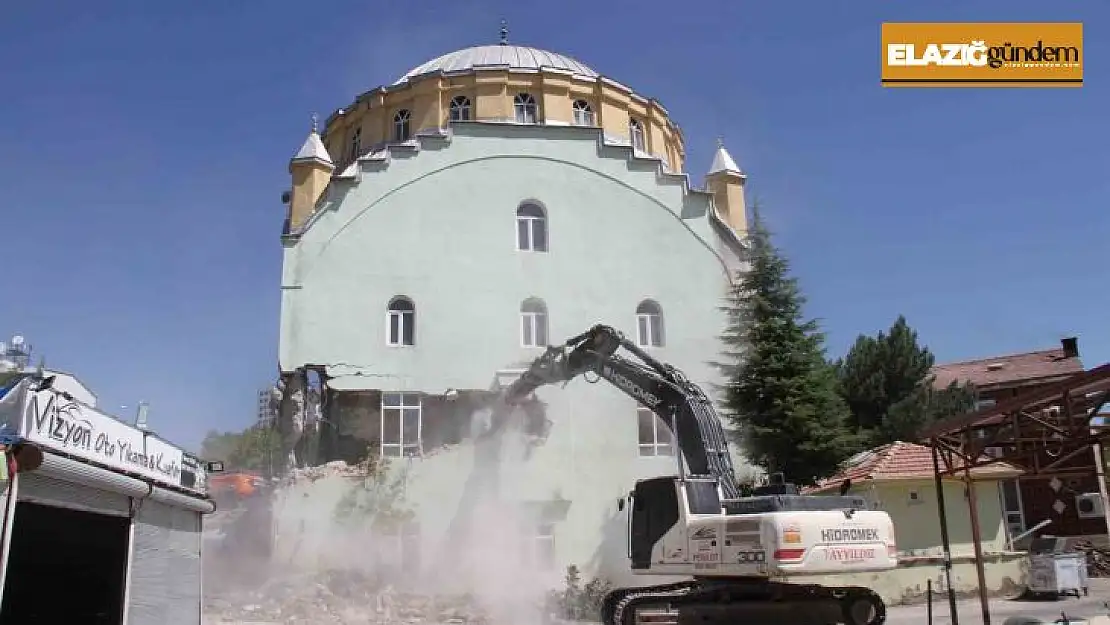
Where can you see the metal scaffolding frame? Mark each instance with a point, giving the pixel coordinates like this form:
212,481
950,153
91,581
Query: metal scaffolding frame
1057,417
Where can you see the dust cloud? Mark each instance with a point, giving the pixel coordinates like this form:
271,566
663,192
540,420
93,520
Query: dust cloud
473,559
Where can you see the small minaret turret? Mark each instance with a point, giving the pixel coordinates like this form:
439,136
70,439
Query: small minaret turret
311,169
726,182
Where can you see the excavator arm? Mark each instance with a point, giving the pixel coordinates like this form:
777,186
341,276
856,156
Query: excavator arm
680,403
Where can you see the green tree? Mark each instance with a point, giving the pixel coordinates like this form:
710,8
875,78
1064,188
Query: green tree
257,448
219,445
887,383
780,392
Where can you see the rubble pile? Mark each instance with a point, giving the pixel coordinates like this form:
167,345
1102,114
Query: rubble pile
335,467
1098,558
337,598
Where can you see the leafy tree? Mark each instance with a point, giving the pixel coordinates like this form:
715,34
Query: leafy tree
886,381
219,445
257,448
780,392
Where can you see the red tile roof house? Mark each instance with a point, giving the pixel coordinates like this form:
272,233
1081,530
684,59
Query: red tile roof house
898,478
1031,501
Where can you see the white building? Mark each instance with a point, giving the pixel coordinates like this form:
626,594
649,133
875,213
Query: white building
96,506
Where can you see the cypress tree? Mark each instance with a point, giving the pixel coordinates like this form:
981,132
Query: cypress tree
781,392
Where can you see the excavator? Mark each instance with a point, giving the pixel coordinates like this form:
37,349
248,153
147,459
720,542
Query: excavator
739,551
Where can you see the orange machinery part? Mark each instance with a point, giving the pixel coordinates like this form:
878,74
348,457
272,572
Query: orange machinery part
242,483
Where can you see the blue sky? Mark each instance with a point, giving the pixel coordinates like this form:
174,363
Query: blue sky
145,147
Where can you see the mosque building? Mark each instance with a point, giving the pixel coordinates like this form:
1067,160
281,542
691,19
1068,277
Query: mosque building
442,230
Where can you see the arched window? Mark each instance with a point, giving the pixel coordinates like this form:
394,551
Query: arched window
533,323
583,113
636,133
401,322
531,228
460,109
649,324
524,105
401,125
356,144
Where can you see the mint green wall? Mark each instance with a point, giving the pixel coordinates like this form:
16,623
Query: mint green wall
437,224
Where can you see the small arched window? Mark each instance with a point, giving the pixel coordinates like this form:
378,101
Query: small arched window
524,105
583,113
533,323
460,109
401,322
636,133
356,144
531,228
649,324
401,128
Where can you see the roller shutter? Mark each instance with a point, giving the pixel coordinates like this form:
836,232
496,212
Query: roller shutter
165,566
40,488
67,483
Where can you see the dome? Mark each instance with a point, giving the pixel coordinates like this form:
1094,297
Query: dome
499,56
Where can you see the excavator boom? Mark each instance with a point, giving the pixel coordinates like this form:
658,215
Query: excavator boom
697,524
682,405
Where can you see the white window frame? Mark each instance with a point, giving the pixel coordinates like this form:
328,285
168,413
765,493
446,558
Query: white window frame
646,335
529,222
459,109
636,135
542,554
402,129
531,321
398,403
1014,519
583,113
651,449
525,110
405,318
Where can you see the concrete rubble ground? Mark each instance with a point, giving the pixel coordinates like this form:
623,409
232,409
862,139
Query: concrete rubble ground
349,597
249,591
337,598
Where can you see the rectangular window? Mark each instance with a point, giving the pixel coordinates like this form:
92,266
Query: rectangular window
655,437
533,330
402,327
1011,506
401,425
356,144
649,330
531,234
543,547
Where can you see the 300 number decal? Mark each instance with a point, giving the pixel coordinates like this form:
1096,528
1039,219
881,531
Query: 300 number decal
751,556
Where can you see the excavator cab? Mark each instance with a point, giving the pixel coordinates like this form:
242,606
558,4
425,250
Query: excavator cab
654,508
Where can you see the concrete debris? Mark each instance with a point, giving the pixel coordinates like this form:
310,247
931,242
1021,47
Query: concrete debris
335,467
338,598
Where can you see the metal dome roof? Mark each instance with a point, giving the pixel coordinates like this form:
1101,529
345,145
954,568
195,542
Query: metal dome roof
499,56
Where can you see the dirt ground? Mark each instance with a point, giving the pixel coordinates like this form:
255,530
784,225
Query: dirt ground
970,613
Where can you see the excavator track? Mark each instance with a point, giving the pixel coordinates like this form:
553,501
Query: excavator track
721,601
